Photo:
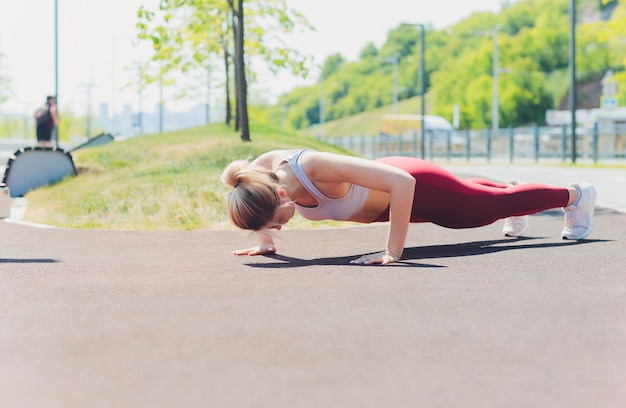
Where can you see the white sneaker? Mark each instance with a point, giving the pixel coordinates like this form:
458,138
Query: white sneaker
515,226
579,217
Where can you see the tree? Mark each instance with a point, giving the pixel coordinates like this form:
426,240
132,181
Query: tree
332,65
189,34
533,65
237,13
369,51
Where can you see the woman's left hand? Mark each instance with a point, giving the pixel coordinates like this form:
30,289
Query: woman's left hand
383,258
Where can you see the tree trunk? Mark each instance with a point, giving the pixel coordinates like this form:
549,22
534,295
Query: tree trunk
229,109
236,64
242,90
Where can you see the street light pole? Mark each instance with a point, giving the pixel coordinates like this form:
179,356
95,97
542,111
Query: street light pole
495,112
56,66
495,100
322,113
422,89
161,98
208,97
422,86
394,60
88,87
572,69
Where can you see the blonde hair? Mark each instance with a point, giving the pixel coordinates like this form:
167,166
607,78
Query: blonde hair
253,200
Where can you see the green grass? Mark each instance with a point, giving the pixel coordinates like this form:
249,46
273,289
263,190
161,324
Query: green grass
166,181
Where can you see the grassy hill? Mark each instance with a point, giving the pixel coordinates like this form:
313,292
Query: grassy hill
165,181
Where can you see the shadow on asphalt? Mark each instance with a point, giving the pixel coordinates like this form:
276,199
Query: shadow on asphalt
5,260
426,252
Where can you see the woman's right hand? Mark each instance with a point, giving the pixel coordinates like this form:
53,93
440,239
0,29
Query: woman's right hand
261,249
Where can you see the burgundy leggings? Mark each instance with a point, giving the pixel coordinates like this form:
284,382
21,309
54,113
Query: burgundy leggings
446,200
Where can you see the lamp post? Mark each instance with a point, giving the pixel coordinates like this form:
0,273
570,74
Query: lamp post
56,66
322,112
422,90
88,87
208,97
572,69
495,102
394,60
495,111
422,87
161,110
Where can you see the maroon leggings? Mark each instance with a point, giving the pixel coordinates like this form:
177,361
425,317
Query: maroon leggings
446,200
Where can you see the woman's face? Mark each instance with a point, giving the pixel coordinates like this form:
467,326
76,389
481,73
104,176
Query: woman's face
282,215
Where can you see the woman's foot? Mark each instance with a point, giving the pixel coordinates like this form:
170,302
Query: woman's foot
579,216
515,226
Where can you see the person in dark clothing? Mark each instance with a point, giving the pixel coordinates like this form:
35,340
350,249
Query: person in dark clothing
47,120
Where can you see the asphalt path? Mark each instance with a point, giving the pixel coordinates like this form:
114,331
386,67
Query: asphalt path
469,318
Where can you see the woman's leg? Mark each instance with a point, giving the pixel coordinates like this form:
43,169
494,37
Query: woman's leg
485,182
446,200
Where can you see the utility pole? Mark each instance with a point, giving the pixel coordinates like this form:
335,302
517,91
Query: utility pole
322,112
208,97
422,89
495,103
55,136
141,70
572,70
113,90
394,61
495,67
87,87
422,86
161,110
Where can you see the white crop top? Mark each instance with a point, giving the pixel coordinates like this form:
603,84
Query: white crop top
328,208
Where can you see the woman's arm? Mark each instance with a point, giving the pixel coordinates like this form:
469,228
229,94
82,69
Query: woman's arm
331,169
266,161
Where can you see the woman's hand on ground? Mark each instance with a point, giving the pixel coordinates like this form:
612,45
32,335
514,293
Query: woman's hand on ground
257,250
383,258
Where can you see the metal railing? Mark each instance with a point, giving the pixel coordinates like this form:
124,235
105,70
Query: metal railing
596,143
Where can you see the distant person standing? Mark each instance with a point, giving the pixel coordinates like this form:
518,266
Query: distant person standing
47,120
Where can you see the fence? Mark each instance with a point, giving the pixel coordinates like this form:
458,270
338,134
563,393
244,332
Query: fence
606,142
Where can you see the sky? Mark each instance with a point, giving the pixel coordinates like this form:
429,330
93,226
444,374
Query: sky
97,46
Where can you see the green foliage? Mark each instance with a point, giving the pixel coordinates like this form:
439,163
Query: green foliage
533,61
332,65
195,35
369,51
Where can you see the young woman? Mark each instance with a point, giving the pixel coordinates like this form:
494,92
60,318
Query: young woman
401,190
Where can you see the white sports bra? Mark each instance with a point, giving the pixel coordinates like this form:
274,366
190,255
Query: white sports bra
328,208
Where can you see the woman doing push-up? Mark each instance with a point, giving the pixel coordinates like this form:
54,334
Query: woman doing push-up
267,191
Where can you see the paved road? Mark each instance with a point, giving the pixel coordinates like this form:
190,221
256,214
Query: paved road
171,319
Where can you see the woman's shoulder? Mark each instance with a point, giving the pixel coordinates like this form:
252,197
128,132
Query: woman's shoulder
273,158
